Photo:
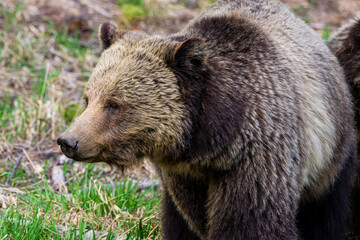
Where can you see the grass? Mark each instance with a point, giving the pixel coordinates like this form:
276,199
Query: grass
326,33
116,212
134,10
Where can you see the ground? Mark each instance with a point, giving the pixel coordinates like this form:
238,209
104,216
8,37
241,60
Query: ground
48,49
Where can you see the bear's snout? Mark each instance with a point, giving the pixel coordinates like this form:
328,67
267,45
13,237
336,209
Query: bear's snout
68,146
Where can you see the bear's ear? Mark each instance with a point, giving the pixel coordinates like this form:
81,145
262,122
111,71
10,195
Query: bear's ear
191,52
108,34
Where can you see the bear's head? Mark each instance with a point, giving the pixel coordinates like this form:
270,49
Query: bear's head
140,99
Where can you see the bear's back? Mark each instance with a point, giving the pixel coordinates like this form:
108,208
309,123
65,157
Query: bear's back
282,69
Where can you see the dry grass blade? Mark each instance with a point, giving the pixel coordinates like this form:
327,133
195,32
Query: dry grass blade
20,156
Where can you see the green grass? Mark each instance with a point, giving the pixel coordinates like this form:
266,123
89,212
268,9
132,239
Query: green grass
9,16
133,10
326,33
140,3
86,205
34,89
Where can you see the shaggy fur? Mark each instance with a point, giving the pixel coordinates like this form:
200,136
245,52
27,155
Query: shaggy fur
346,46
245,113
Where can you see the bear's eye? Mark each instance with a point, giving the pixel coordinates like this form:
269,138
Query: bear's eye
112,105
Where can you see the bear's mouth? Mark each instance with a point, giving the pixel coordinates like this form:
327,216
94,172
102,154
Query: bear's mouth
119,159
88,159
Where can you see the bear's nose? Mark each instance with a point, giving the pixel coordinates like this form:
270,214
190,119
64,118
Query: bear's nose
68,146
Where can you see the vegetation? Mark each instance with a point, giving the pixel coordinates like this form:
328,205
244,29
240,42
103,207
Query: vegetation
133,10
88,209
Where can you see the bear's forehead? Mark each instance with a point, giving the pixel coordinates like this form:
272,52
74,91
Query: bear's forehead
120,55
123,66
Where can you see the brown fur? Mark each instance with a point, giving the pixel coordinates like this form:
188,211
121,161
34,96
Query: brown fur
346,46
245,113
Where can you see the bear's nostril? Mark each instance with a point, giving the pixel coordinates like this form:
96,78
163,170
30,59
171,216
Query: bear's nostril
67,143
68,146
76,145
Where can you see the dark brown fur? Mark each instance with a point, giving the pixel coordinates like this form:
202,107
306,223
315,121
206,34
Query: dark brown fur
346,46
245,114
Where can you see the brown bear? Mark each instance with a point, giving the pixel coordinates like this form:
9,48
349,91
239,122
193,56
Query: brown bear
345,44
246,114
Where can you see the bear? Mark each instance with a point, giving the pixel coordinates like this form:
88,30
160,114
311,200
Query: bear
245,113
345,44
